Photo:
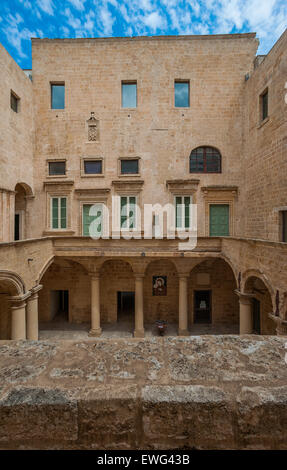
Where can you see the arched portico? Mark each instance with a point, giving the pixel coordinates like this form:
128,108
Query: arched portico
12,306
257,305
22,193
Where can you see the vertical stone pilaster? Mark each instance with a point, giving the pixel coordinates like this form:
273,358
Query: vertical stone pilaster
183,306
139,314
18,319
245,313
95,306
32,323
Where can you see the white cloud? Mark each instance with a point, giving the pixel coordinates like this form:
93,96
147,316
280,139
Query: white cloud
47,6
78,4
106,21
154,21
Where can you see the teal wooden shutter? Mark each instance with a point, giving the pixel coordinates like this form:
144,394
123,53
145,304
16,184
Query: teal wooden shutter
63,212
219,220
55,212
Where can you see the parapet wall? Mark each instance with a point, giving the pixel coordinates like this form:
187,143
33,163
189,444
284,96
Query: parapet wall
207,392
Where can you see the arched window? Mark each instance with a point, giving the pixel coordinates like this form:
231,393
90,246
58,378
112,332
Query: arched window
205,160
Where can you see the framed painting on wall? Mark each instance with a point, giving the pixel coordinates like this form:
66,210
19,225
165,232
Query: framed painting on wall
159,285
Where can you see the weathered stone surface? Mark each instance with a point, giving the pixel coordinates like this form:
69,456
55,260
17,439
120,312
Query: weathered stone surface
159,393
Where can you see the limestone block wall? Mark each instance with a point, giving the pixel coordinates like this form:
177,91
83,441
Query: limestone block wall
16,139
161,135
265,146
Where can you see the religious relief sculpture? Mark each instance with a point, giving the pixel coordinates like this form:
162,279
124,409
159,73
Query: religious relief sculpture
93,128
159,285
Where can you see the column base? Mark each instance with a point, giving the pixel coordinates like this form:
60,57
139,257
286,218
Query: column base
96,332
183,333
138,333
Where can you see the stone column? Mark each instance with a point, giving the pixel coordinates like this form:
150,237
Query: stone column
183,306
95,306
18,320
139,315
32,323
245,315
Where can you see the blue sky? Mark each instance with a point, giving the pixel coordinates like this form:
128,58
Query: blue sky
22,19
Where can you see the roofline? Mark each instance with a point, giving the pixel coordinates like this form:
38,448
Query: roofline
152,38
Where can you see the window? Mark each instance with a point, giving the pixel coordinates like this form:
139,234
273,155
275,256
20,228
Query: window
182,212
284,226
181,94
93,167
58,96
205,160
128,212
95,218
14,102
129,95
264,105
130,166
59,212
219,220
57,168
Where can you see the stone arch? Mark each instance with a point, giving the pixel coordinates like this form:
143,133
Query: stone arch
214,280
161,304
262,300
11,285
117,276
22,192
66,293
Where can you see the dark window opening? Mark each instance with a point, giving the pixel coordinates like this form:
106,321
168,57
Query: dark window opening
264,105
57,168
129,167
205,160
58,96
181,94
14,101
202,306
256,316
93,167
17,227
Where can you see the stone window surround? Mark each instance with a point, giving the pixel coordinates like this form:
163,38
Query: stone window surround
181,80
129,82
56,160
261,121
219,195
91,197
18,99
130,188
58,189
92,175
56,82
127,175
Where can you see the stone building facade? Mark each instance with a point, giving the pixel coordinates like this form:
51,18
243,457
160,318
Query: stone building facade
125,122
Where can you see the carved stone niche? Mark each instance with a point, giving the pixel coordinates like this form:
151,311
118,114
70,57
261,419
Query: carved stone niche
93,128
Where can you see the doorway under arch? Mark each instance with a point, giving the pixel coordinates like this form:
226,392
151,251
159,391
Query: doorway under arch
261,306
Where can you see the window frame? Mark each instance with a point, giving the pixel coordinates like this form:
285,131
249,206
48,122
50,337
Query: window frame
187,81
129,160
129,82
204,172
59,198
85,203
128,196
52,84
262,96
14,96
49,162
283,224
183,217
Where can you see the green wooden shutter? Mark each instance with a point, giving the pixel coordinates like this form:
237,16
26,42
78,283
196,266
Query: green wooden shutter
219,220
55,212
132,212
124,212
86,219
186,212
63,212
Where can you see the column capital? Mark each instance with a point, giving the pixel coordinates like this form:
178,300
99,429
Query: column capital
183,275
138,276
94,275
244,298
19,299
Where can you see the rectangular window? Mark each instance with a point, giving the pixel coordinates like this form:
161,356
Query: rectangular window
58,96
14,102
264,105
129,95
181,94
57,168
129,167
96,218
219,220
128,212
93,167
182,212
284,226
59,212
